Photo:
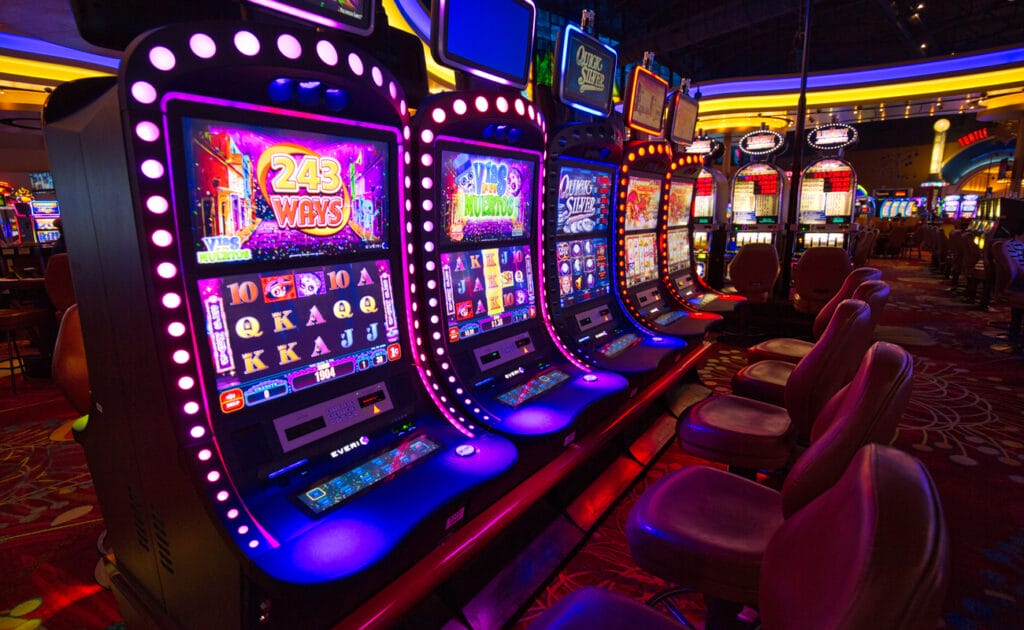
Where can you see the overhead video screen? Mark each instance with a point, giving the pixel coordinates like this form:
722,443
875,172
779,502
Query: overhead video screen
584,197
260,193
487,289
272,334
485,197
583,271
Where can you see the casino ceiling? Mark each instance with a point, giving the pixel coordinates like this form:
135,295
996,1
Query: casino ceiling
744,38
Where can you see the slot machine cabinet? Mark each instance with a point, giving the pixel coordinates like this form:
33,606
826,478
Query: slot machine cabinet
264,450
827,190
760,191
583,155
709,227
44,215
477,245
678,273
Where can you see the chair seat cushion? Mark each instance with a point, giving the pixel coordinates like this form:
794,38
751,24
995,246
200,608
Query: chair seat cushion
705,529
764,381
738,431
592,607
780,349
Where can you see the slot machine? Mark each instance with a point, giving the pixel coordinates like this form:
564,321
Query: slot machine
760,190
44,213
478,244
583,155
709,226
828,190
678,274
264,448
950,208
968,206
644,187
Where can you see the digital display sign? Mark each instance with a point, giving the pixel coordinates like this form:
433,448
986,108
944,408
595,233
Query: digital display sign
45,208
704,198
583,271
586,72
680,196
502,54
259,193
826,193
487,289
485,197
678,250
643,202
645,102
584,196
354,16
641,259
684,119
272,334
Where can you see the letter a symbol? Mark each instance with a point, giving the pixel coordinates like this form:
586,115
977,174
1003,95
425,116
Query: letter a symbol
315,317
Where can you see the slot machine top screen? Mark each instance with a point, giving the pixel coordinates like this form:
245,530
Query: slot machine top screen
826,193
680,197
755,195
485,197
353,16
684,119
586,71
487,289
260,193
645,104
643,202
492,40
584,199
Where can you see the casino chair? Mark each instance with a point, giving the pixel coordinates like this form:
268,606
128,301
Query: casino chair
58,284
954,258
750,434
754,270
69,369
871,552
706,529
1010,289
972,266
817,277
792,350
766,380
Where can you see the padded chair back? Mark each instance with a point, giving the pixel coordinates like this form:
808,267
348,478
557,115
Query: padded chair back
817,277
876,294
753,271
69,369
1005,267
829,365
871,552
867,410
58,284
853,280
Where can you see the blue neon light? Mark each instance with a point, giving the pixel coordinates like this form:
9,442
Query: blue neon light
59,54
856,78
501,53
574,87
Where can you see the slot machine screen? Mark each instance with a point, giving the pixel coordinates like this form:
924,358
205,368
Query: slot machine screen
678,250
40,182
755,195
704,199
586,71
643,202
272,334
641,259
684,119
487,289
485,197
969,206
260,193
826,193
583,272
680,197
354,16
499,54
645,106
584,199
45,208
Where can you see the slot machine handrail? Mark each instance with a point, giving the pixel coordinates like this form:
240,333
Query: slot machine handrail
387,607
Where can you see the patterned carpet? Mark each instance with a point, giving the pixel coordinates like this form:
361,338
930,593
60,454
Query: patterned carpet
965,421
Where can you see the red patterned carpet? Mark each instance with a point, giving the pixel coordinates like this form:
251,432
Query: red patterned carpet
965,421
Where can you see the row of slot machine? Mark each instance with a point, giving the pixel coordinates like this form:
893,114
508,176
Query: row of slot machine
997,217
322,331
33,222
752,207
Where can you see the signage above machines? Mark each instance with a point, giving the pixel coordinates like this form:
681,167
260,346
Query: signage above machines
762,142
645,101
586,71
832,136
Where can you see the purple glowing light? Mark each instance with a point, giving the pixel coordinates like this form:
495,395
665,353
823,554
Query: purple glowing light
157,204
205,455
166,270
186,383
197,431
143,92
162,58
247,43
355,63
202,46
147,131
162,238
327,52
152,169
289,46
180,357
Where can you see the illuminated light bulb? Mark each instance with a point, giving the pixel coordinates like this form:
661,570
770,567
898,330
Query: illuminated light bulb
205,455
427,135
392,90
213,476
147,131
377,76
289,46
171,300
327,52
191,408
157,204
428,226
253,544
162,238
427,183
166,270
152,169
426,159
247,43
162,58
180,357
438,115
232,513
197,431
186,383
355,63
481,104
143,92
502,104
202,45
243,530
223,496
